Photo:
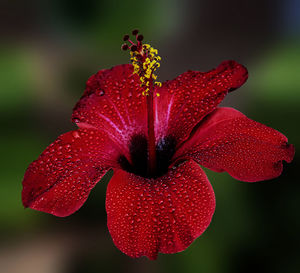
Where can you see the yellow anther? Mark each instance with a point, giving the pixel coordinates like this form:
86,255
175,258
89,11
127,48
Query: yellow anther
145,61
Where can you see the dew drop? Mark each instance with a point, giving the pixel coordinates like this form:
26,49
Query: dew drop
177,175
75,134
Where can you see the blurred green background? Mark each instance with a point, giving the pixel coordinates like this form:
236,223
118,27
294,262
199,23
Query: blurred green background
48,51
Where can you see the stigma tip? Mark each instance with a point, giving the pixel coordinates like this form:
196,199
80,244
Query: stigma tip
140,38
135,32
133,48
124,47
125,37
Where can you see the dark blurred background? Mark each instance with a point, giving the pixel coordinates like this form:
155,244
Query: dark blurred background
48,51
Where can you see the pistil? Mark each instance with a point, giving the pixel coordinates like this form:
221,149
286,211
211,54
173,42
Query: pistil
151,133
145,61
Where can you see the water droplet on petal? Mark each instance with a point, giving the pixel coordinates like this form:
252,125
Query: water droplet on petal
75,134
177,175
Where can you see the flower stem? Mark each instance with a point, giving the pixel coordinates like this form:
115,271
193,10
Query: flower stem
151,134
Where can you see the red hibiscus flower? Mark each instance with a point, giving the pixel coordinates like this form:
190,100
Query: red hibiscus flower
153,136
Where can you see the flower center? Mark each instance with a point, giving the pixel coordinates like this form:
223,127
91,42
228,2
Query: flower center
145,61
138,149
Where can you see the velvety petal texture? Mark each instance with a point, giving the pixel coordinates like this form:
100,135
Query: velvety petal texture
60,180
147,216
186,100
229,141
113,102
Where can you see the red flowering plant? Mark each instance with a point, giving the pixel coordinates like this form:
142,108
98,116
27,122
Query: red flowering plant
153,136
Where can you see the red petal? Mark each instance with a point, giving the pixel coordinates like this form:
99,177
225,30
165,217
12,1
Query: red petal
60,180
228,141
113,102
186,100
147,216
